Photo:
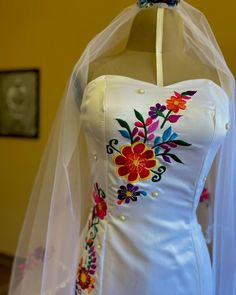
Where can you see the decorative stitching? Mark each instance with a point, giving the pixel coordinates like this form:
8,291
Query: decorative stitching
139,159
85,279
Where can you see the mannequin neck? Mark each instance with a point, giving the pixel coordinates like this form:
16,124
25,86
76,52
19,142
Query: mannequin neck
143,31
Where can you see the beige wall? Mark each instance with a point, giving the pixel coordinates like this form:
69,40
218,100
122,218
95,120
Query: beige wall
51,35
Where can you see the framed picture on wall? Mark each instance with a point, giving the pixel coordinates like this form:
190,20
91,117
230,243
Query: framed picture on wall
19,103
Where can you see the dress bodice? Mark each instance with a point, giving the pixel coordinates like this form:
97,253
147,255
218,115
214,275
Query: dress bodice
150,149
183,124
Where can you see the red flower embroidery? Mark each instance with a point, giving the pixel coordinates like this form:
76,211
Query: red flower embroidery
85,272
135,161
84,277
205,195
101,206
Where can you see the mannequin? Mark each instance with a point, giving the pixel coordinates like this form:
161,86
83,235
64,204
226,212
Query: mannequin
138,60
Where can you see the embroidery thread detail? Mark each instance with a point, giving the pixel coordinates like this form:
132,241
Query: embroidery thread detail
140,158
88,262
129,192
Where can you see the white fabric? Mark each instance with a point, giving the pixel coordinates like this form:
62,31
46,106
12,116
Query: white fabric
159,248
54,228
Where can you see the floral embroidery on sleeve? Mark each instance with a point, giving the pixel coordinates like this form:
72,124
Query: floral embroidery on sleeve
85,279
140,158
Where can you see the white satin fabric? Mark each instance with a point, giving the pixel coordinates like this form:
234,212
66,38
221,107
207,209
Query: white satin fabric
153,245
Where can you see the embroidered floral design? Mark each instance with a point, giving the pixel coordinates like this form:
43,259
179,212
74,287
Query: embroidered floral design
148,128
85,279
140,159
84,273
135,161
129,192
205,195
157,109
101,206
175,103
205,200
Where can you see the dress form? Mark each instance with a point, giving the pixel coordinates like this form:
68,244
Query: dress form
154,52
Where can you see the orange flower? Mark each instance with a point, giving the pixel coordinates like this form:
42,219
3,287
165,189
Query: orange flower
135,161
175,103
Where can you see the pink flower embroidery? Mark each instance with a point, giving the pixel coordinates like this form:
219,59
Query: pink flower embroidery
100,204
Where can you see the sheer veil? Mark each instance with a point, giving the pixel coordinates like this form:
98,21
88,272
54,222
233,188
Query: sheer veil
47,252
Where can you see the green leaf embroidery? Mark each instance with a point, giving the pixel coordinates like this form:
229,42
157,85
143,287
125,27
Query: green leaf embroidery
126,126
159,113
174,157
181,142
191,93
123,123
139,116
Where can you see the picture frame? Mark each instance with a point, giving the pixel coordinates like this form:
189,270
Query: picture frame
19,103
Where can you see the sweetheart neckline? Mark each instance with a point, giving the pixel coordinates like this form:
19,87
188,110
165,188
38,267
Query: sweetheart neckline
155,85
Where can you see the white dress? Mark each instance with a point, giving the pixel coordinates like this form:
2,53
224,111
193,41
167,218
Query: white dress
151,148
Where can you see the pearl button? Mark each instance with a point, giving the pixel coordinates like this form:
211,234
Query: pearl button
122,217
227,126
95,156
141,90
154,194
99,246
